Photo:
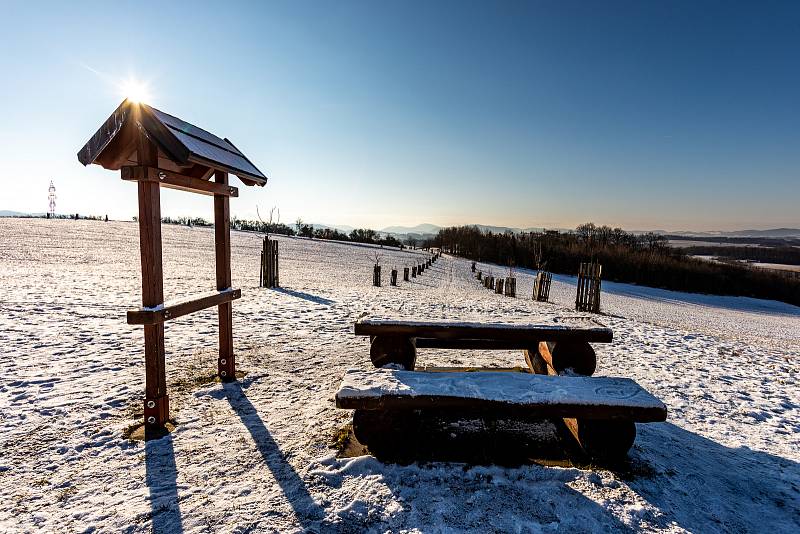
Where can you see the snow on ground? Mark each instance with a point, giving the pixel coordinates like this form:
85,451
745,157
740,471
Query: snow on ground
254,455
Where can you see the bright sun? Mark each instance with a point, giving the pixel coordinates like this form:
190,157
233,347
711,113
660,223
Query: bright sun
135,90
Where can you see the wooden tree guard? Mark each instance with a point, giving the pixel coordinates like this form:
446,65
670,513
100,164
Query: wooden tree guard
405,274
541,286
376,276
269,263
480,275
498,286
588,292
393,277
511,286
414,271
154,149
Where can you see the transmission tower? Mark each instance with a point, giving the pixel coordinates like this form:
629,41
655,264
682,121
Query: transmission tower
51,196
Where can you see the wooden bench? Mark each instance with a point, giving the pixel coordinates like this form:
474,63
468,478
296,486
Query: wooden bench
599,413
603,410
566,340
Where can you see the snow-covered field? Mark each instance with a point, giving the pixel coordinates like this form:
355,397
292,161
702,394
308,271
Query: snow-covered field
254,455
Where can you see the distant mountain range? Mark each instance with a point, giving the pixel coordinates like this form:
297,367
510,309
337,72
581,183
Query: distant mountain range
427,229
775,232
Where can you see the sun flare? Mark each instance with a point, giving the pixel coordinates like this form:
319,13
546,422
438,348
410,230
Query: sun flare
135,90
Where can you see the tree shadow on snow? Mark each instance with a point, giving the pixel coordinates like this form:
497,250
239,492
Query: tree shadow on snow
307,511
162,476
704,486
305,296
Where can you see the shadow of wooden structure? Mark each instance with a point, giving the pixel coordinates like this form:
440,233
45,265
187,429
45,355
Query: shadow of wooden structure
155,149
588,292
541,286
269,264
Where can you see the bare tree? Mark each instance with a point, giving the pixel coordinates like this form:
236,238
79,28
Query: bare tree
538,255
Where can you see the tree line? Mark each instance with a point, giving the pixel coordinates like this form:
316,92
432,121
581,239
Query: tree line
359,235
644,259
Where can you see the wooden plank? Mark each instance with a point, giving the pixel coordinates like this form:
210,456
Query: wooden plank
536,395
158,314
174,180
565,330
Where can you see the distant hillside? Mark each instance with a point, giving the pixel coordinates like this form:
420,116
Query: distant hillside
774,232
424,228
11,213
341,227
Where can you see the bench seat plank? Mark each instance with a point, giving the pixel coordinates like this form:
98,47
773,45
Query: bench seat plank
557,329
536,395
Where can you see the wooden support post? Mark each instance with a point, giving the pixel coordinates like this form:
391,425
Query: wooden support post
275,267
156,401
261,269
264,263
226,366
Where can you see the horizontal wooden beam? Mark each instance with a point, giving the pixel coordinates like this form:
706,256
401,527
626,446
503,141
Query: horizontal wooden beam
473,344
521,334
174,180
179,308
439,369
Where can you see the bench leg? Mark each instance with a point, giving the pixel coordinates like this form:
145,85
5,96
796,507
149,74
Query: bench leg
556,358
396,350
597,439
388,434
602,439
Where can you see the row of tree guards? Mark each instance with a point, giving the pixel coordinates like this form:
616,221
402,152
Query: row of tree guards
413,271
588,291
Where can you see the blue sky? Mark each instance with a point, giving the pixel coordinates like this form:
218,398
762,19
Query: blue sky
646,115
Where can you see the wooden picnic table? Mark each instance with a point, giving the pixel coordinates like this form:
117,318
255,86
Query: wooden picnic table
599,412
